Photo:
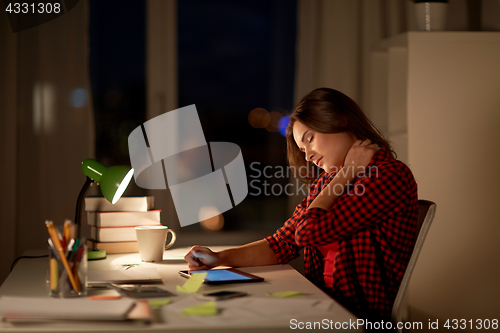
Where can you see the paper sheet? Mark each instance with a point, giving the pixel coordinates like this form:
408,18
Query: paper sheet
254,309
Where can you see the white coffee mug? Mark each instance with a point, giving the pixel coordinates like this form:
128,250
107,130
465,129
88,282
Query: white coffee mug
151,241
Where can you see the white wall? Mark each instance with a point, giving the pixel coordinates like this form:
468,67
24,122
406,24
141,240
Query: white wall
437,97
454,140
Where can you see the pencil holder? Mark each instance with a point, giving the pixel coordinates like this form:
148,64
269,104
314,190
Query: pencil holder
68,277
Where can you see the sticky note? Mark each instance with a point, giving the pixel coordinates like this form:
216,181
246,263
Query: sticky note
193,283
204,309
158,303
285,294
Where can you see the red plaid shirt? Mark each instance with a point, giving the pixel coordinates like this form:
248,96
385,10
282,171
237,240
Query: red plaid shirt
375,226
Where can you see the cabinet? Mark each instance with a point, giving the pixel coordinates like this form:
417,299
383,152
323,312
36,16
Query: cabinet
437,98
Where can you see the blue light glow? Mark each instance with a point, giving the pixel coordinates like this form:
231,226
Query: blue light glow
282,124
79,98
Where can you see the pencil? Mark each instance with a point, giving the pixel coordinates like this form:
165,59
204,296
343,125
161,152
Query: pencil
54,273
59,249
67,230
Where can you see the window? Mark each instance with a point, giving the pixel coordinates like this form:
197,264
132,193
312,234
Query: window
234,57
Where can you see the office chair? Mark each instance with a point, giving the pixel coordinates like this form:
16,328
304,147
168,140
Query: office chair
426,211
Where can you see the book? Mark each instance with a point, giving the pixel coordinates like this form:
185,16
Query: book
123,219
125,204
136,275
115,234
113,247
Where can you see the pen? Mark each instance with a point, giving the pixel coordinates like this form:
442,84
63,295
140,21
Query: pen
58,247
69,248
73,252
77,256
77,243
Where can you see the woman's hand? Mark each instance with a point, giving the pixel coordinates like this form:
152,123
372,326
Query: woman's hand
257,253
202,258
360,154
357,159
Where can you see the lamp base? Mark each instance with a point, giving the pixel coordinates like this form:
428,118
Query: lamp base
95,254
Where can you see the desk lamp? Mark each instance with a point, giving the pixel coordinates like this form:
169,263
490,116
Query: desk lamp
113,182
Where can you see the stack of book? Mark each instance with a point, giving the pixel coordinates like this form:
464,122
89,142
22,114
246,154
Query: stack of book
112,227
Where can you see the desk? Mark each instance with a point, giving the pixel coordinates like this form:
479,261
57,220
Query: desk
29,279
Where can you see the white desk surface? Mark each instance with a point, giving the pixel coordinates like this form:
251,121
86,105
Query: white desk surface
30,275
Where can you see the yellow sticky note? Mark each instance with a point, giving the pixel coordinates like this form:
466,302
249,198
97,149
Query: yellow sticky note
285,294
204,309
193,283
158,303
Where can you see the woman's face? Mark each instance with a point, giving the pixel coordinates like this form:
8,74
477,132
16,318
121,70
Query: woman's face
327,151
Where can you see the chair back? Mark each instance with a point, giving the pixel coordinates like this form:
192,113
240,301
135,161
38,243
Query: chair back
426,212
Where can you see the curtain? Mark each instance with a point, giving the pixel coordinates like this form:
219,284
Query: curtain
162,94
8,145
47,128
336,36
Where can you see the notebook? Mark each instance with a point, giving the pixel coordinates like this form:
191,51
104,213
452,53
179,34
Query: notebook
37,308
136,275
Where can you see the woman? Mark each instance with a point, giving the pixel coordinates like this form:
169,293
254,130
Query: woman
358,223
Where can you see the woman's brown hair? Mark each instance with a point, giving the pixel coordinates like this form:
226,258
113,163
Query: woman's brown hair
326,110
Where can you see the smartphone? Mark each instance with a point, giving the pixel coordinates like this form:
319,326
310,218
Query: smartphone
220,295
141,291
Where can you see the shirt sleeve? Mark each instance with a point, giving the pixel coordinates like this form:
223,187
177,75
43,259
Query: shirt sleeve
380,193
282,242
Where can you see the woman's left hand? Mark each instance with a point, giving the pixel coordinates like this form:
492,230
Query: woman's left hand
361,154
358,157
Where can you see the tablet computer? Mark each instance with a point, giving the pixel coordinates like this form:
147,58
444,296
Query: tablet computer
223,276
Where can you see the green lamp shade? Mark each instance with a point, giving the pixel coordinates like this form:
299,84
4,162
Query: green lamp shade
113,180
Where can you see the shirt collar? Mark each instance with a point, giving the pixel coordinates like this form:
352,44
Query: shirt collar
381,155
